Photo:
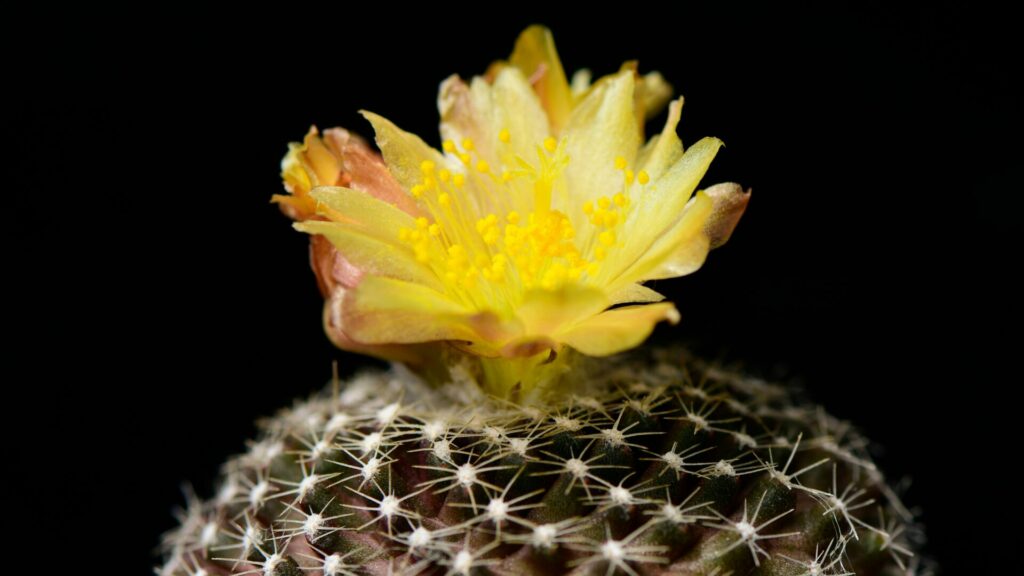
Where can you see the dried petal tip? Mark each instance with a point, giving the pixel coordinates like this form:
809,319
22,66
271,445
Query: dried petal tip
516,242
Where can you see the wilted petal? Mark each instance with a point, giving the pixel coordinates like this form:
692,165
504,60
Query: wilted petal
730,201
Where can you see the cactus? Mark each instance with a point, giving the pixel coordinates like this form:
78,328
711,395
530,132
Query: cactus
659,465
504,278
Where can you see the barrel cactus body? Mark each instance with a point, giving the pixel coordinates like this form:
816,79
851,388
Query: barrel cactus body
657,465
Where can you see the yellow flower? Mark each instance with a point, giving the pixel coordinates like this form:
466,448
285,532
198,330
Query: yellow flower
531,232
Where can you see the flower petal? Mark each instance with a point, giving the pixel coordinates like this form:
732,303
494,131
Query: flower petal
635,294
483,111
618,329
730,201
366,169
602,128
331,269
403,151
660,207
385,310
546,312
334,327
371,216
680,251
665,149
371,254
535,55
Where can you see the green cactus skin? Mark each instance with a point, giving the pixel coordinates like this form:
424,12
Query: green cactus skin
664,465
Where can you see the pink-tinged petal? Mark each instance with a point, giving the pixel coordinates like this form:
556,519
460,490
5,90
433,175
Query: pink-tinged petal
618,329
730,201
367,170
334,327
332,270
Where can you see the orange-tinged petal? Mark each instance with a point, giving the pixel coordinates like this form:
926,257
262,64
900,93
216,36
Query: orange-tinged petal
618,329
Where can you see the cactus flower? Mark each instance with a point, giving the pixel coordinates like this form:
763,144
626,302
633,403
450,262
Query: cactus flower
531,231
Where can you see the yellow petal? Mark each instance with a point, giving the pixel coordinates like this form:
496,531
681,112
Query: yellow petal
483,111
535,56
618,329
370,215
655,93
601,129
680,251
384,310
545,312
372,254
665,149
635,294
661,205
404,152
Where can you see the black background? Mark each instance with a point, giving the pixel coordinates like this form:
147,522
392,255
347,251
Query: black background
168,304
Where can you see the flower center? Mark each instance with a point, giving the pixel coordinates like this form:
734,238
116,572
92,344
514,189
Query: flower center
495,232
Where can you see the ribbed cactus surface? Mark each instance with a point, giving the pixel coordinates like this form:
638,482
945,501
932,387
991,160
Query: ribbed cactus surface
657,464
